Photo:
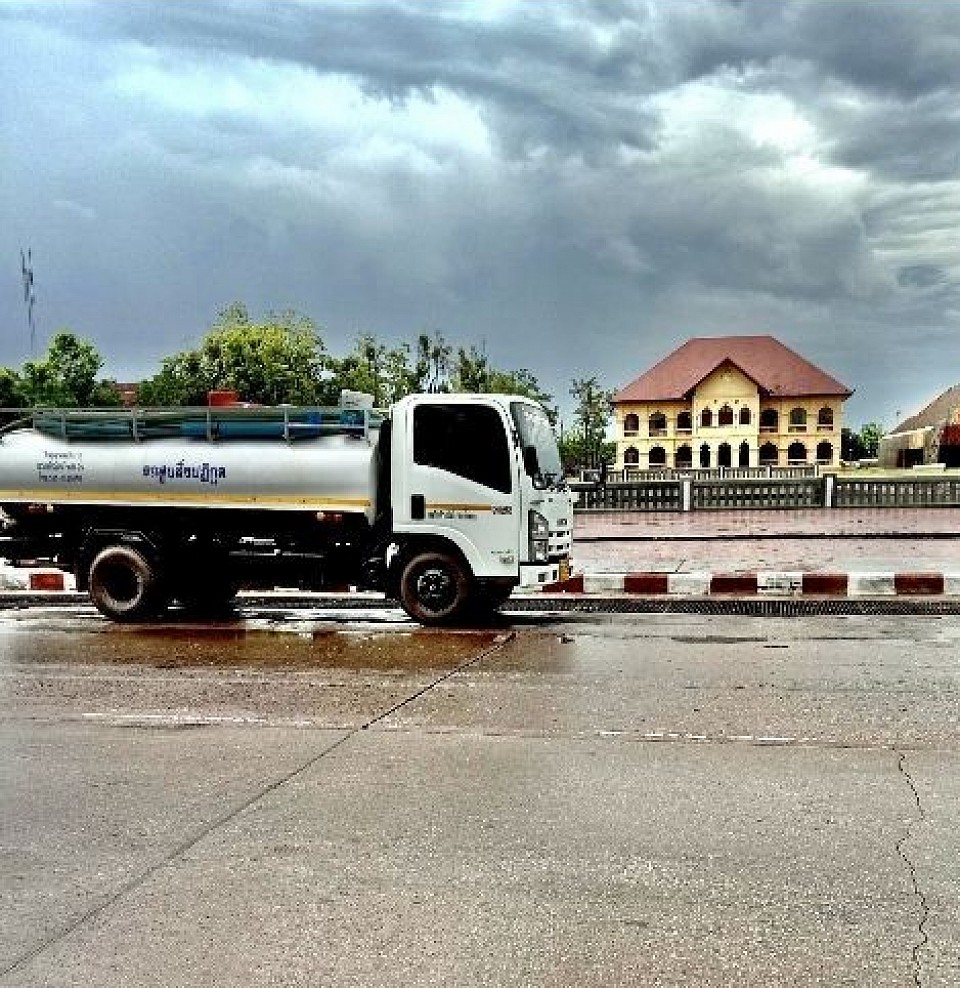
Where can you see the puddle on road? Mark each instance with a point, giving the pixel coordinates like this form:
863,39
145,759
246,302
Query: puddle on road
172,647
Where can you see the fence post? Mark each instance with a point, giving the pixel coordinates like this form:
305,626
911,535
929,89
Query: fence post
687,488
829,481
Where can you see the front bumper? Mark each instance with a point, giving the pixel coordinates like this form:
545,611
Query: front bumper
534,575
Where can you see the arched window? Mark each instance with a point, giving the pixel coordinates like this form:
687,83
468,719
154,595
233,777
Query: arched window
631,424
744,454
658,456
725,415
797,453
705,456
631,456
825,418
769,455
706,418
683,459
824,452
724,454
684,422
798,419
744,415
658,424
769,420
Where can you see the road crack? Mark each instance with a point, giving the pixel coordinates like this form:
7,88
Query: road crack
923,905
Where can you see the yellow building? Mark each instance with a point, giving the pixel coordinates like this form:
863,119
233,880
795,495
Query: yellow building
732,401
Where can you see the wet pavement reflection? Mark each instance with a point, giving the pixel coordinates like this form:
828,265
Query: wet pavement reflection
288,644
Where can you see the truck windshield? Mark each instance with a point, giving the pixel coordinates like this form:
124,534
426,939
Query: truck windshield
535,430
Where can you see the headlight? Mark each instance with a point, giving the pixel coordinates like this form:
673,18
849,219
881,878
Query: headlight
539,529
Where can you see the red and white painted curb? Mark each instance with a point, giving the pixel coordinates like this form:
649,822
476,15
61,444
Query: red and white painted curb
651,584
43,579
771,583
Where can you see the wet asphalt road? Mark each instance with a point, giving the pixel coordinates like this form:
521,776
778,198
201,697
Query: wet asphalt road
607,800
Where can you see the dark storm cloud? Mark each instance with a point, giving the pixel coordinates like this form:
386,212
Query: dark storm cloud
916,141
921,276
552,75
903,48
525,174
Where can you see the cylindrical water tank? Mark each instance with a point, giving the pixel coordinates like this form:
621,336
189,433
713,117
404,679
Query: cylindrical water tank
327,473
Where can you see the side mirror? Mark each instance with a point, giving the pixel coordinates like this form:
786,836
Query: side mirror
531,462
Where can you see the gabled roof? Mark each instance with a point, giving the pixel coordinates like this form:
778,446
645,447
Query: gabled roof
940,410
776,369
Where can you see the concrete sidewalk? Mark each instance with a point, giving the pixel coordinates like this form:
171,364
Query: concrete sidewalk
838,552
809,539
798,523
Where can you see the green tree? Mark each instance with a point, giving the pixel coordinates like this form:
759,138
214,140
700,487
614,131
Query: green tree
11,389
592,415
374,368
66,376
399,376
473,373
432,369
870,436
281,359
577,453
181,380
862,445
521,382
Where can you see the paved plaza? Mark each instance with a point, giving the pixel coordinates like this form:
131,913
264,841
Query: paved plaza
807,540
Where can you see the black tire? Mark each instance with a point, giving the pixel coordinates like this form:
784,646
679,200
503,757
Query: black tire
123,585
435,588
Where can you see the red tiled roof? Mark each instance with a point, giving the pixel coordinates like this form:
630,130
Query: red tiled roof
776,369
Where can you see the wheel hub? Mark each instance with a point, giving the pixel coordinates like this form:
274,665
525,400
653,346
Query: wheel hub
435,588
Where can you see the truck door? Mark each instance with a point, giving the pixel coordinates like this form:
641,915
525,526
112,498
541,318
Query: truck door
460,483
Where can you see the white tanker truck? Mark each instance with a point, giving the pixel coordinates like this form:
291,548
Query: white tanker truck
446,504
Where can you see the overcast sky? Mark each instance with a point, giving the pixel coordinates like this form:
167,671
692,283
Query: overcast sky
578,187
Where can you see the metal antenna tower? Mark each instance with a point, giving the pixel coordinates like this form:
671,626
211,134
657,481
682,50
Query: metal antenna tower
29,296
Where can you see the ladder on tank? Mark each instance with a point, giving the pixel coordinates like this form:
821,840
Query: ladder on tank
214,423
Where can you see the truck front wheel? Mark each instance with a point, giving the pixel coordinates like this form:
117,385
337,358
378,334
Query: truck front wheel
123,585
435,588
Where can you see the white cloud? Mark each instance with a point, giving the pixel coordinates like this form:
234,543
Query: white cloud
336,109
76,209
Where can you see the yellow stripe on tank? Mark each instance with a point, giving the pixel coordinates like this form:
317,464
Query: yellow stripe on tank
317,501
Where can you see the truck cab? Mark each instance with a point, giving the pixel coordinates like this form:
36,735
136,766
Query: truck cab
479,506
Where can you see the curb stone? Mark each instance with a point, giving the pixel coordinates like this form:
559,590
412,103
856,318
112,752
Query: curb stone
653,584
43,579
764,583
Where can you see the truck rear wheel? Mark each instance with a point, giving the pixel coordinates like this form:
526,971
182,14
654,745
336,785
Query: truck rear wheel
435,588
123,585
